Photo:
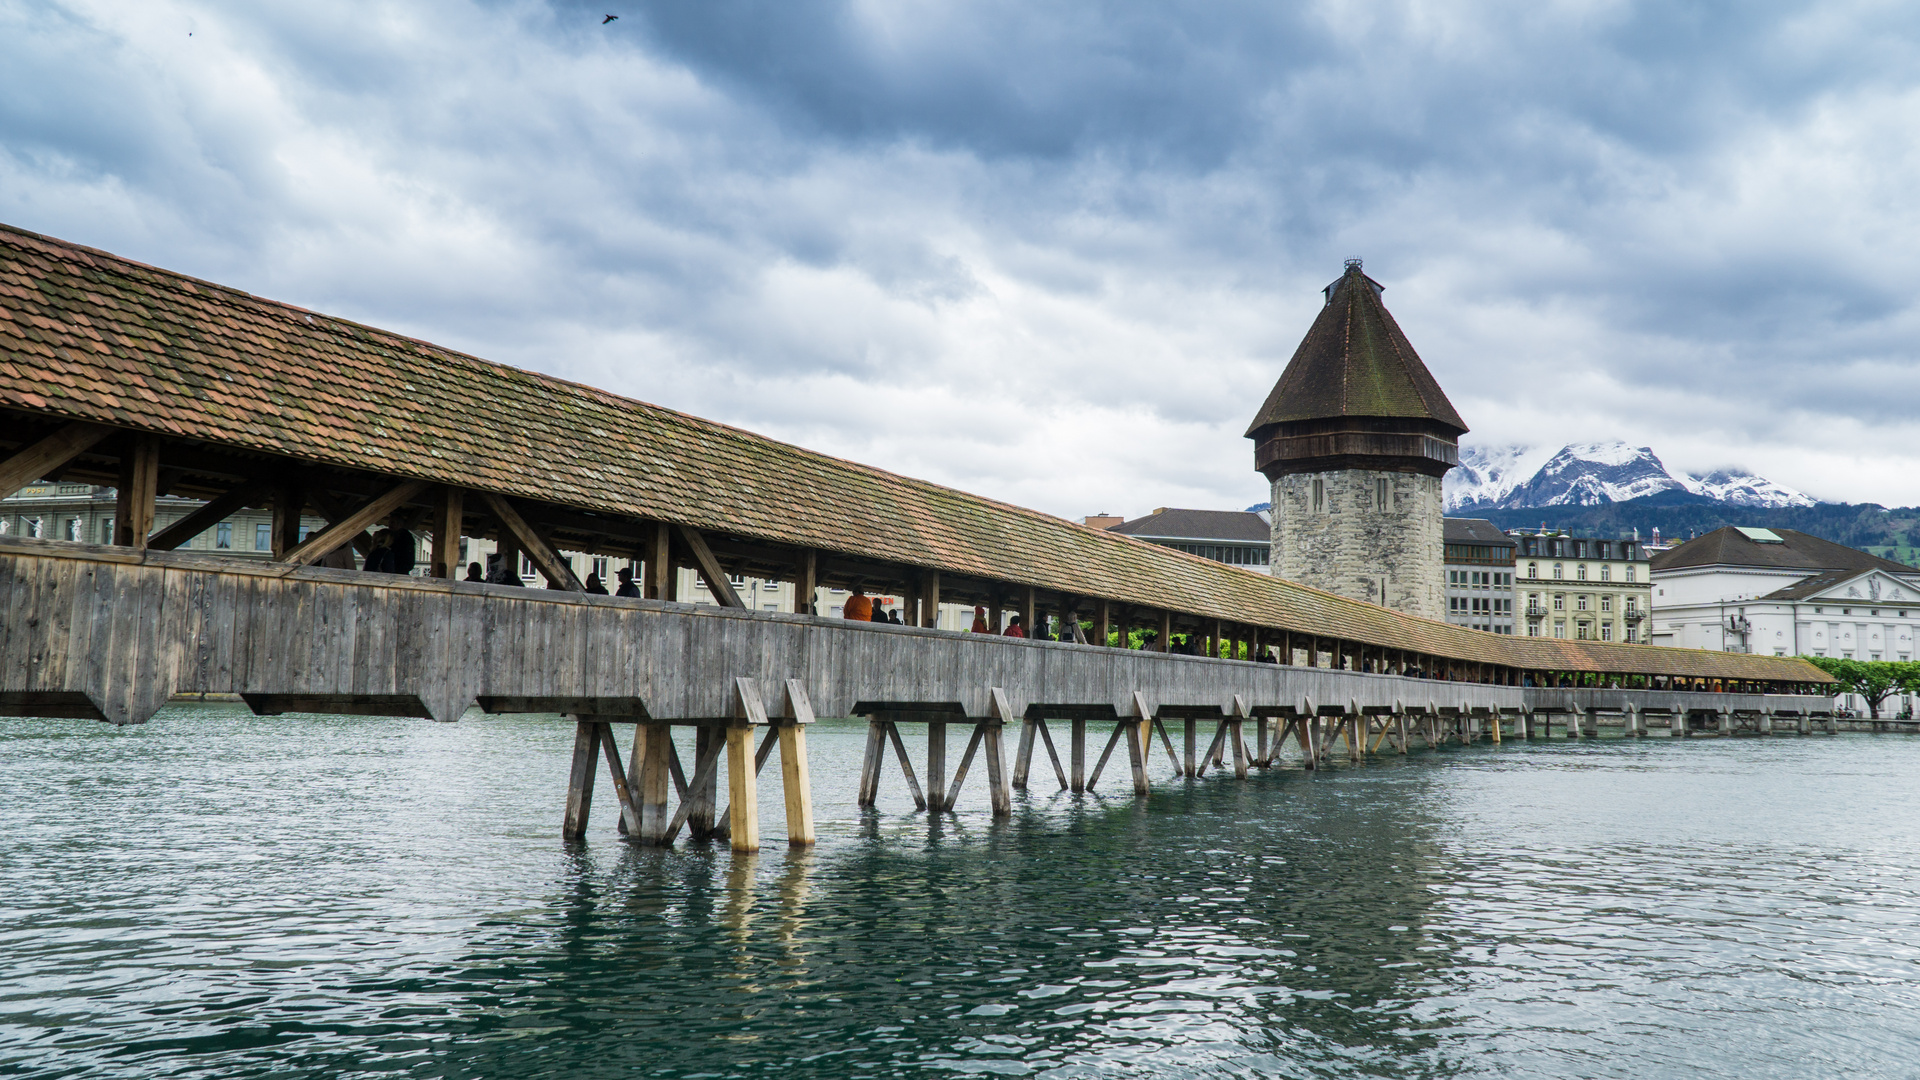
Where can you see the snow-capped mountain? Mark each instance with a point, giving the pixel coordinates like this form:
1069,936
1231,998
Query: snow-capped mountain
1591,474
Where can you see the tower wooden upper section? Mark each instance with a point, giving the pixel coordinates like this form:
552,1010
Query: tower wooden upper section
1356,396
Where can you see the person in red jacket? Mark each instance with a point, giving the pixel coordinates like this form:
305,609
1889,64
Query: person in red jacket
980,621
1013,628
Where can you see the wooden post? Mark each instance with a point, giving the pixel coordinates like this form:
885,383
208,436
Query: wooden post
1240,711
999,794
447,523
749,713
795,780
552,566
930,599
1139,735
654,779
289,502
138,488
1192,738
1079,754
659,564
1102,624
1023,757
703,795
871,764
806,581
1166,631
1029,615
937,764
586,745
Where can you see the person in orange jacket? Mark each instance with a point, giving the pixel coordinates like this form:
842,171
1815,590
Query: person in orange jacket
1014,629
980,621
859,606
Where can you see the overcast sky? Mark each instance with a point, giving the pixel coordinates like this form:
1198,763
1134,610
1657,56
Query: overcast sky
1051,252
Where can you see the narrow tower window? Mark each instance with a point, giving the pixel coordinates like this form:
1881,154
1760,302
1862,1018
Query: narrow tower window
1319,496
1380,494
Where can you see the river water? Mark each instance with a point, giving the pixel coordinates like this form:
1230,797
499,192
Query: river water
219,895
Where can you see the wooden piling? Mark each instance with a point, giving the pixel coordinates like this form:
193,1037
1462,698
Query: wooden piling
586,745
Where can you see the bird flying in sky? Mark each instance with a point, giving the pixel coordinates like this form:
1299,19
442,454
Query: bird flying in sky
608,19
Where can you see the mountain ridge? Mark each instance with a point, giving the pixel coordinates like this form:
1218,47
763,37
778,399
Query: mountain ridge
1596,474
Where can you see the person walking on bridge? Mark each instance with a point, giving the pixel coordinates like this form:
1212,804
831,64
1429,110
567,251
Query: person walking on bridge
859,607
475,572
594,586
980,621
627,587
1014,628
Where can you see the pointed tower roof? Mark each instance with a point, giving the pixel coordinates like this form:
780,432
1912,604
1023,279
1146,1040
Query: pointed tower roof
1355,362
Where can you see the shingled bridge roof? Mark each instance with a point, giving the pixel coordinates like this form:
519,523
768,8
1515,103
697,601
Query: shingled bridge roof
89,336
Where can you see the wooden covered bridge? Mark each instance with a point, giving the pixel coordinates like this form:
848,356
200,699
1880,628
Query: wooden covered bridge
116,373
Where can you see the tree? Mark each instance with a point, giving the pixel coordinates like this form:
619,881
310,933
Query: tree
1873,680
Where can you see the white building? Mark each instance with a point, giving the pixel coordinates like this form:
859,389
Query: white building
1786,593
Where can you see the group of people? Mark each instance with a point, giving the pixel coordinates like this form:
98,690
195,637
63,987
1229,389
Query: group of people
861,608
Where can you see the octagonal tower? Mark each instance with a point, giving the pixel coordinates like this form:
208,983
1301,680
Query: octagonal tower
1355,438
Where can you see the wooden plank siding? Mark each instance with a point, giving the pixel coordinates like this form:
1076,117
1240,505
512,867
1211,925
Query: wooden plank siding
129,629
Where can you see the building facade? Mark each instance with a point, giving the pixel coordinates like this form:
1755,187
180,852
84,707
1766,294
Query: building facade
1586,588
83,513
1234,537
1354,439
1785,593
1479,568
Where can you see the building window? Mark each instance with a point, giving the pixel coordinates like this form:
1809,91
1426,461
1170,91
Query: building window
1606,573
1631,601
33,527
262,536
1580,631
106,531
1606,632
1558,571
1633,635
1533,569
1606,603
1630,573
1319,496
73,529
223,535
1580,572
1560,603
600,568
1380,495
1533,630
1559,628
526,565
1580,602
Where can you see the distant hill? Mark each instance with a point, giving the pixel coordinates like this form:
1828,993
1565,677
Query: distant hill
1889,533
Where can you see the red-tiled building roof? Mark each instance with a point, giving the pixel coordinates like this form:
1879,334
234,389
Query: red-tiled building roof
89,336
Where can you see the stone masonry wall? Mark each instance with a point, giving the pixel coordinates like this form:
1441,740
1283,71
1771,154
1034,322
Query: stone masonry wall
1350,546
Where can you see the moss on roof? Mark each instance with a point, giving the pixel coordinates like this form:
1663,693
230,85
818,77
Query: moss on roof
90,336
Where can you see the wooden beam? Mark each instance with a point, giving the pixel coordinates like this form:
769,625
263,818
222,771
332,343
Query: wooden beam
448,523
289,502
930,600
136,491
806,580
709,567
342,532
1029,620
1101,617
1166,631
34,462
180,532
541,552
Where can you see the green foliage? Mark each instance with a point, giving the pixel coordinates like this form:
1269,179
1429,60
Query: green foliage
1873,680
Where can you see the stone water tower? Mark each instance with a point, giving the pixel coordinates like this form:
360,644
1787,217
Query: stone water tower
1355,438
